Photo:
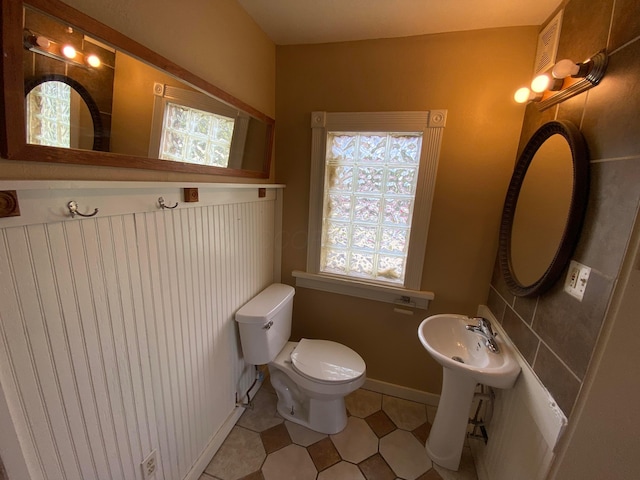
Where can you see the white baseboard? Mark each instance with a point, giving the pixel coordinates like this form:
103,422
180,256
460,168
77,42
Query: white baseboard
213,446
402,392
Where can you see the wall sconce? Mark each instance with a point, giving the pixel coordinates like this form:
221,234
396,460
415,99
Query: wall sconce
566,80
59,51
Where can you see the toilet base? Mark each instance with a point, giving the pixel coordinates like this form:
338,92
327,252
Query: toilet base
323,415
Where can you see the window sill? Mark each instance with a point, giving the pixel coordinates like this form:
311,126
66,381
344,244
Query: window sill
397,295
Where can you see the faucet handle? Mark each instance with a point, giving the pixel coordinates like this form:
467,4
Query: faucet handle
485,325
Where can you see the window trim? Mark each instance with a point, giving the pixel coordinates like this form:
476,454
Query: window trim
169,94
431,123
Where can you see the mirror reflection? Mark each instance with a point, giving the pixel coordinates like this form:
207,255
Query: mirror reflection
542,210
141,110
58,116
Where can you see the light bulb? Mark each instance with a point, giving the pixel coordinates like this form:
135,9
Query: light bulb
42,42
68,51
565,68
93,60
540,83
522,95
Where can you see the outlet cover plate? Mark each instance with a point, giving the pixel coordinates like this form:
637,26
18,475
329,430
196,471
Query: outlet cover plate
149,466
577,277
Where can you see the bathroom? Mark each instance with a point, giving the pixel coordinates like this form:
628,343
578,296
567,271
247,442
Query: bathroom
471,74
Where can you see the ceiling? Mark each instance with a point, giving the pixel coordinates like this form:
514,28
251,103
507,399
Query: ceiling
289,22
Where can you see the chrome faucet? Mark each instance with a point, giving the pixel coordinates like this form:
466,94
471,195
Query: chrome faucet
484,328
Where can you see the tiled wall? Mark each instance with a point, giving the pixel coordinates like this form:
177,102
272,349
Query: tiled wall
556,333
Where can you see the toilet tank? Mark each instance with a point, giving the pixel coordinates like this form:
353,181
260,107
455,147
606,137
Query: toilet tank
265,323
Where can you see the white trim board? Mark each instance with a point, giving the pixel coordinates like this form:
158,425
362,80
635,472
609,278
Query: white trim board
46,201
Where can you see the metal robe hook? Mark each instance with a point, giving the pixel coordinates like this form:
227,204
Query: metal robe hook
73,210
163,205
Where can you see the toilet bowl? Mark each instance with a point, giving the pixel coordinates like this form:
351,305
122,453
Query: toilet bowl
310,377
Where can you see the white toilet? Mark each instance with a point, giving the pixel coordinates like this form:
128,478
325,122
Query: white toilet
310,377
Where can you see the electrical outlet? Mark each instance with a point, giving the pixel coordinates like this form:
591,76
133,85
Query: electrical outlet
576,281
149,466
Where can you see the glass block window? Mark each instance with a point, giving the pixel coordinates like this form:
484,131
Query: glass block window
372,181
369,194
49,115
195,136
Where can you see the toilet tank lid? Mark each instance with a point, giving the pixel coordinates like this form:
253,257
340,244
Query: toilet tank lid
264,305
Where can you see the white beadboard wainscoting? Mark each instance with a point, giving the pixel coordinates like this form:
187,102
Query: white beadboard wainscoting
117,336
525,427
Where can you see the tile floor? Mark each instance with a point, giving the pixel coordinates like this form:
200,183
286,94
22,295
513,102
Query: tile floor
383,440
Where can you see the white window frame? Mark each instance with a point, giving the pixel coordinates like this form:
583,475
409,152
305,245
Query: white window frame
431,123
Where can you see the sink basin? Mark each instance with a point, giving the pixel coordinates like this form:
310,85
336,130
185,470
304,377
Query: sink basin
466,361
453,346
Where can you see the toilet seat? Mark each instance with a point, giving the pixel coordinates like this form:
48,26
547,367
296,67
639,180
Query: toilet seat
324,361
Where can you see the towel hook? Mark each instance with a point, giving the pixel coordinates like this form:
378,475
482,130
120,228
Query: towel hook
163,205
73,210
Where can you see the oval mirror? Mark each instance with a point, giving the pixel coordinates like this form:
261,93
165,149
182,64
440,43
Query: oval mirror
544,208
61,113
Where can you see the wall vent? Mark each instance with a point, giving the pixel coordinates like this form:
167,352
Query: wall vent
548,44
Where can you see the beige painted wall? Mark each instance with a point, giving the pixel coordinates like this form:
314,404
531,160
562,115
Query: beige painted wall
133,104
216,40
471,74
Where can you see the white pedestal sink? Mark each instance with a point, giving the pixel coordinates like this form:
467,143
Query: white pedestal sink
466,361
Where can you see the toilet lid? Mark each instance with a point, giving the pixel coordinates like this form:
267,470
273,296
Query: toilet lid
327,361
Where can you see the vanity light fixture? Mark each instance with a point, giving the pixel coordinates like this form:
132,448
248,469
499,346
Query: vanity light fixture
64,52
565,80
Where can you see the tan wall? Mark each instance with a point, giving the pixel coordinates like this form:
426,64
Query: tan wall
133,104
216,40
471,74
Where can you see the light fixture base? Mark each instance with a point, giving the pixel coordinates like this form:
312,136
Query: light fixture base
598,67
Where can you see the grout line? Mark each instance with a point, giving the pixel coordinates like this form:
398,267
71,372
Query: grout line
541,341
616,159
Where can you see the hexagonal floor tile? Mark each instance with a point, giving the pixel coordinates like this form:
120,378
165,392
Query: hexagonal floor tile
363,403
302,435
356,442
292,461
342,471
406,414
240,454
405,455
263,414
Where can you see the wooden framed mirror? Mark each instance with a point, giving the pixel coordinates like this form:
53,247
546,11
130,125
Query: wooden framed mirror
544,209
152,114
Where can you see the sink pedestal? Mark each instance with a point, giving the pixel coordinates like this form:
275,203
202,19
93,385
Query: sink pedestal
445,442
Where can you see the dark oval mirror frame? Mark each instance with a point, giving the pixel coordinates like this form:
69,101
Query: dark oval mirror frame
13,142
94,111
575,217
